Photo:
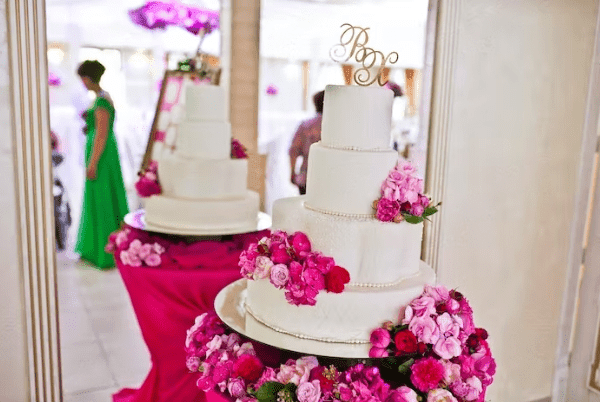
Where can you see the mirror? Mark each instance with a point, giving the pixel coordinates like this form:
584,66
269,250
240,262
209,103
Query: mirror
295,41
101,345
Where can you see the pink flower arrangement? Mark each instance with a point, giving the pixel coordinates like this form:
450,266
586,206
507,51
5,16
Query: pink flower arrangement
228,365
238,151
272,90
148,184
289,263
437,345
401,197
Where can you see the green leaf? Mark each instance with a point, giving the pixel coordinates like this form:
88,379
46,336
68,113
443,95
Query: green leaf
404,368
413,219
291,387
430,211
268,391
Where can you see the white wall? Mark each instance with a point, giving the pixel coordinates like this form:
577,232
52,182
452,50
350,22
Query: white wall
520,83
13,359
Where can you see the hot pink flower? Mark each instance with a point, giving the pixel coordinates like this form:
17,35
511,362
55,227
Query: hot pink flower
376,352
380,338
300,243
417,210
153,260
205,383
279,253
440,395
248,367
280,275
193,363
313,278
387,210
427,374
309,391
424,200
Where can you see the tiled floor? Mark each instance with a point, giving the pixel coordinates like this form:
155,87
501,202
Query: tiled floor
101,344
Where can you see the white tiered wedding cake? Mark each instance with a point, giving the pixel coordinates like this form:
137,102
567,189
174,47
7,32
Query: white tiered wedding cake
204,190
345,174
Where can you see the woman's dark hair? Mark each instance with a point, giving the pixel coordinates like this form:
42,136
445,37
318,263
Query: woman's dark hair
92,69
318,101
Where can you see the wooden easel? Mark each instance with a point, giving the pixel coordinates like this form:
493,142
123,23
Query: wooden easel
205,71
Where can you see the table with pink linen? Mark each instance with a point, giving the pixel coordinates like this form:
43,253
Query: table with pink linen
166,300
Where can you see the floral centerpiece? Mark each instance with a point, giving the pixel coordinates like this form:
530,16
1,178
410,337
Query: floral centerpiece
148,184
133,247
289,263
437,355
401,197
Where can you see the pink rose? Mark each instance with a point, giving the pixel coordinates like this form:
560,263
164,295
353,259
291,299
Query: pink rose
424,200
205,383
440,395
322,263
452,372
263,267
193,363
158,249
268,375
402,394
150,176
387,210
135,246
222,371
417,210
280,275
153,260
405,167
300,243
376,352
124,257
423,306
427,373
296,271
236,387
135,261
438,293
468,390
425,329
122,237
380,338
309,391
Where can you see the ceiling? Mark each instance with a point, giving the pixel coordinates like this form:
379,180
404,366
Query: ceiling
292,29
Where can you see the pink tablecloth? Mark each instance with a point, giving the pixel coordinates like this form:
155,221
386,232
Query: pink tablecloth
166,302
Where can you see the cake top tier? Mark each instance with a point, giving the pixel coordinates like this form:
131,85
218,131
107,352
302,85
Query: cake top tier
205,103
357,117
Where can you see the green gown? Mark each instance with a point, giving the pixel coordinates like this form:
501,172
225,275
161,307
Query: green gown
104,199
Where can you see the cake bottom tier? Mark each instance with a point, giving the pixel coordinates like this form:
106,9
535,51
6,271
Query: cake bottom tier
347,317
212,215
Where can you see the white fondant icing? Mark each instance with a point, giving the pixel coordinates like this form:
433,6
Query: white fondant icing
349,316
224,214
208,140
373,252
357,117
203,178
346,181
205,102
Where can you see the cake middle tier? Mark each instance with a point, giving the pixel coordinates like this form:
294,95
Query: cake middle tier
203,178
207,139
347,317
375,253
204,215
346,182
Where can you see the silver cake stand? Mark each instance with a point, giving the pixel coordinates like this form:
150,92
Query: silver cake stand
137,219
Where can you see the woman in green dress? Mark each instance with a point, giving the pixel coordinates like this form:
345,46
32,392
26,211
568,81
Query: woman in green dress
104,199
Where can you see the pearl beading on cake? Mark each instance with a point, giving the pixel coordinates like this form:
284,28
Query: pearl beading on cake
381,285
300,336
351,148
365,217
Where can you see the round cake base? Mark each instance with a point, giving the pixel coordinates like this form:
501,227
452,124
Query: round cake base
137,219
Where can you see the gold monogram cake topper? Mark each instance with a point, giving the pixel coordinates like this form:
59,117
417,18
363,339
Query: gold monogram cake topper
353,45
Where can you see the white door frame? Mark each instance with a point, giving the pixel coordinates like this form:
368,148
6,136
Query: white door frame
576,252
30,133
